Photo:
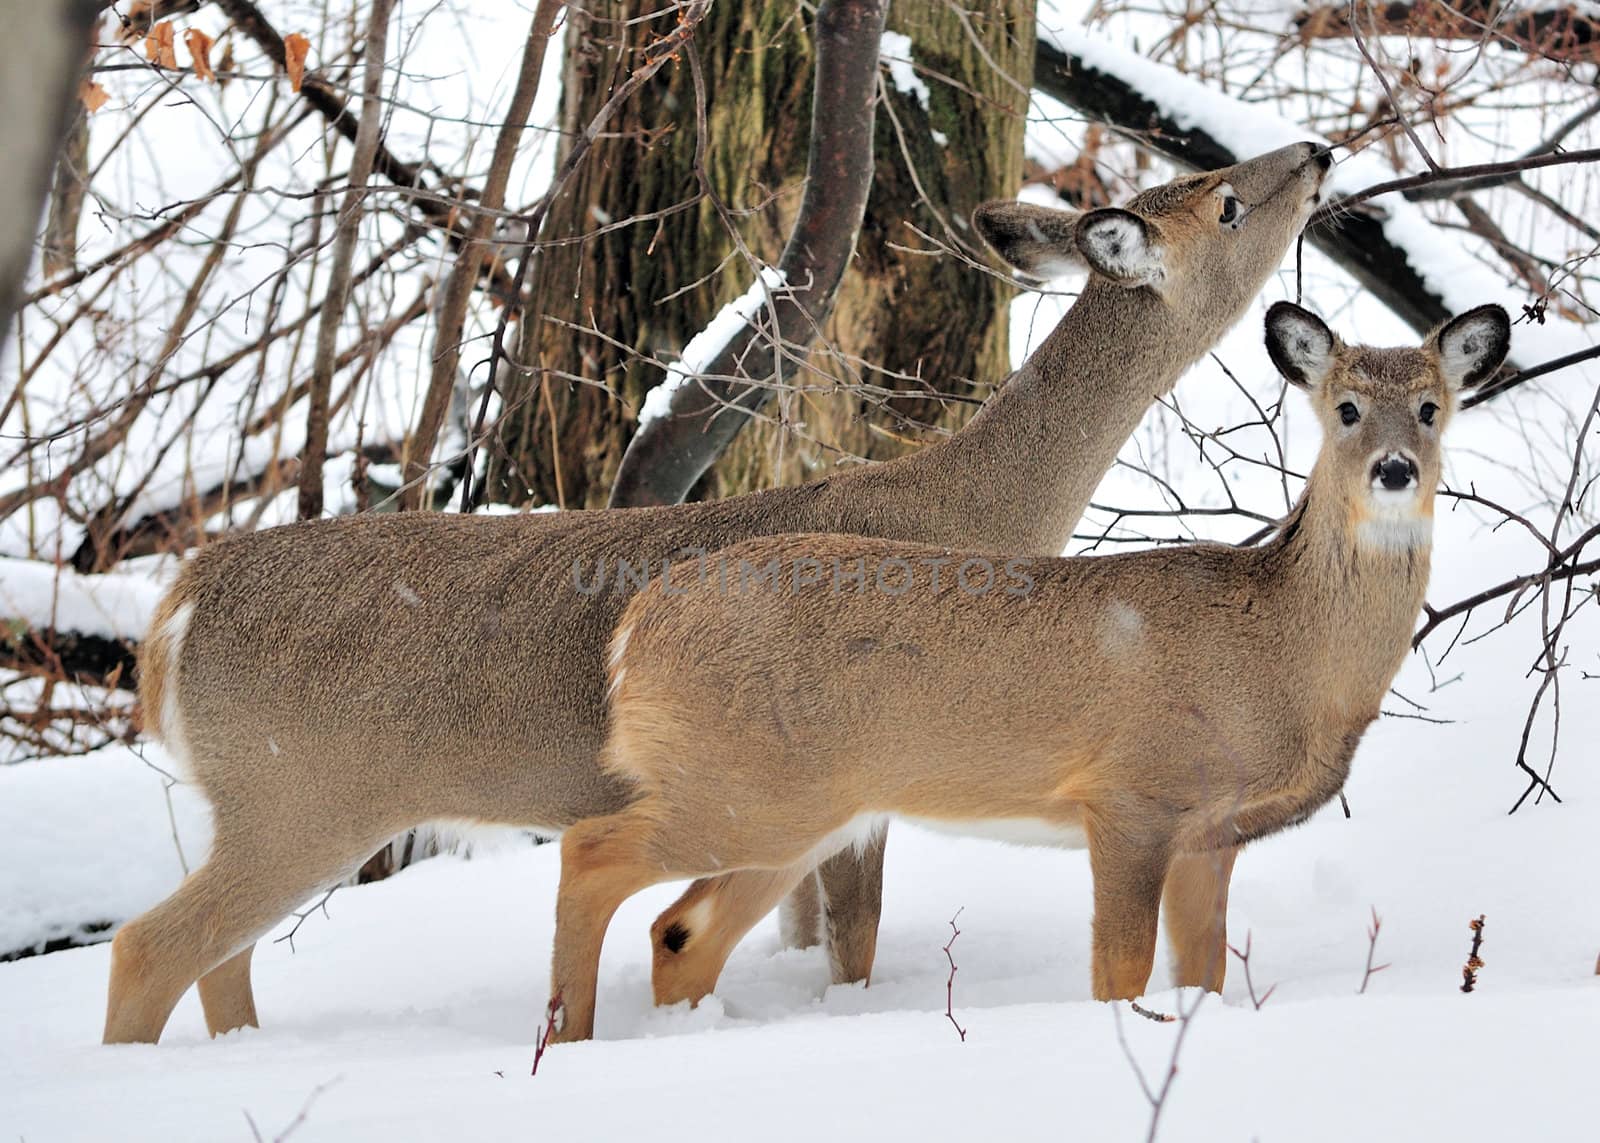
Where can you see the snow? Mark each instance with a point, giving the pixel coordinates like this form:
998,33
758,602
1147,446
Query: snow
375,1034
117,605
88,841
418,999
704,346
895,51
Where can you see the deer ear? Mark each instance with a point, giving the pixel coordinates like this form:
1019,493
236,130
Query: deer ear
1036,240
1472,346
1300,345
1119,245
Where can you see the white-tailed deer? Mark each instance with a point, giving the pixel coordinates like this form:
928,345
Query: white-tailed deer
1162,708
331,683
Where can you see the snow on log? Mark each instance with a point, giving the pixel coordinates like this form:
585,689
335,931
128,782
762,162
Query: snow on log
79,626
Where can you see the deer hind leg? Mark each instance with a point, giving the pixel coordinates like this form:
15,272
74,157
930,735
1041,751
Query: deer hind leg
1128,877
604,861
800,915
1195,903
852,902
693,938
243,889
226,995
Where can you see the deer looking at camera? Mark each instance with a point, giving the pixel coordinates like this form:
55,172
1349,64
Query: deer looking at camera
332,683
1162,708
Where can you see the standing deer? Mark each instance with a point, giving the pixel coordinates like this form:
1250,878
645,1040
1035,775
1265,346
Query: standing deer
331,683
1162,708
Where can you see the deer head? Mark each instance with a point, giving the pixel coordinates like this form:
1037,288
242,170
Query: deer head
1204,244
1383,410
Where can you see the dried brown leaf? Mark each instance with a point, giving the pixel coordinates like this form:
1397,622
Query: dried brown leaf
199,45
93,95
159,46
295,47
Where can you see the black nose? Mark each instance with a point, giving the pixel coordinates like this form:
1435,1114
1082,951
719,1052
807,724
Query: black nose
1395,472
1322,156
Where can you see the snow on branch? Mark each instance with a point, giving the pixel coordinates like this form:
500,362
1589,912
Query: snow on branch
710,343
1391,249
675,444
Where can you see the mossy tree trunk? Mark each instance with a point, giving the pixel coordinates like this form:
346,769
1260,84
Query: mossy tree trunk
903,321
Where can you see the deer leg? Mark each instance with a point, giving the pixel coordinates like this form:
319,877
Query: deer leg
1195,903
695,935
243,889
604,861
226,995
800,915
1128,877
852,901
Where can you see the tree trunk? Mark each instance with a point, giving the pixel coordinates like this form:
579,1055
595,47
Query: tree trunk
46,42
651,286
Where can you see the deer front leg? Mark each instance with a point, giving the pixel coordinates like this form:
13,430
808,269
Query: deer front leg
1195,904
604,861
1128,875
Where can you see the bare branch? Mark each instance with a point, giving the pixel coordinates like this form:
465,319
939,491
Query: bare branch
464,275
344,252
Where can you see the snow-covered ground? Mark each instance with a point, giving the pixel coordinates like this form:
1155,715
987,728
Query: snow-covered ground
415,1003
411,1009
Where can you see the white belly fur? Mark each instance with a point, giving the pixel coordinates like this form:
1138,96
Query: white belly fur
1013,831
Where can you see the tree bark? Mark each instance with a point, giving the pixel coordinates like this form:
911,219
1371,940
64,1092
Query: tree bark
649,287
668,454
46,42
60,254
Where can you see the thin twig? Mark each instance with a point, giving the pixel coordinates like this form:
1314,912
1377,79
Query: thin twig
950,983
1469,971
1250,985
1372,948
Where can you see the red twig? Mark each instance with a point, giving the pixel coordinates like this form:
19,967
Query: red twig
549,1028
1469,972
950,984
1244,959
1372,947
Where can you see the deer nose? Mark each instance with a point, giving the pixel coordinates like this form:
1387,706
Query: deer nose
1322,156
1394,472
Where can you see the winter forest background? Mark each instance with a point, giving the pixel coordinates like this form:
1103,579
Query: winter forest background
301,258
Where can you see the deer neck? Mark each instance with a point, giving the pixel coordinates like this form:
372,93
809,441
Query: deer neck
1351,595
1019,475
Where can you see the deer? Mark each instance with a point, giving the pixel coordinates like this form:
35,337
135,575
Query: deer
1161,708
331,683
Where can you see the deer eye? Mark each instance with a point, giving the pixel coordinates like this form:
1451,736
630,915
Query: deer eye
1230,210
1426,413
1348,413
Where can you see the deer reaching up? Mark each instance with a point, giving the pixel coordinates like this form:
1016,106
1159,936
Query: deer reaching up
1162,708
332,683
